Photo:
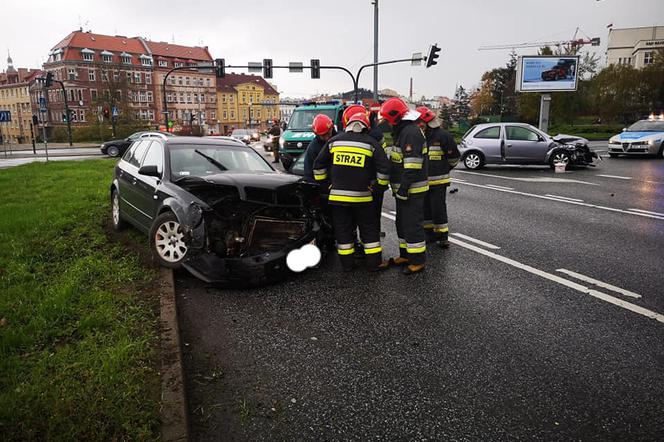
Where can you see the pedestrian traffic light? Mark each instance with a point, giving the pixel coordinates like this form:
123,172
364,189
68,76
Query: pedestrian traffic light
315,68
220,67
433,54
267,68
49,79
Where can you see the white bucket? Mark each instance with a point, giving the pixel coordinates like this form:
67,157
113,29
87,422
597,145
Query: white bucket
560,167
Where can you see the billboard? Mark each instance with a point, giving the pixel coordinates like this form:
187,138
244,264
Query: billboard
547,73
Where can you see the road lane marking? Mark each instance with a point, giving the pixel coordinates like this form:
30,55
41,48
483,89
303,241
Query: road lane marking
562,281
529,180
616,177
500,187
611,209
565,198
598,283
477,241
646,211
388,216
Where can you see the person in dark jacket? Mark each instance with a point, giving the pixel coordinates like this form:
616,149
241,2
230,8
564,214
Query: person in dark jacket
354,164
443,157
408,179
323,128
275,131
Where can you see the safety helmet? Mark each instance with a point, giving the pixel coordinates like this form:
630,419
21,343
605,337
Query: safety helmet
393,110
352,110
426,114
360,117
321,124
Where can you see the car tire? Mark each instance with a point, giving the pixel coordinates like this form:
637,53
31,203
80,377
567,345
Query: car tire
113,151
559,156
660,154
473,160
613,155
166,241
116,216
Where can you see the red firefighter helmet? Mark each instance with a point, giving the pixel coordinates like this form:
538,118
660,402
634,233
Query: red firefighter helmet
426,114
352,110
321,124
393,110
359,117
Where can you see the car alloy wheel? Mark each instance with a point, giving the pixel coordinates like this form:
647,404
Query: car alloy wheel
113,151
560,158
472,161
168,242
118,223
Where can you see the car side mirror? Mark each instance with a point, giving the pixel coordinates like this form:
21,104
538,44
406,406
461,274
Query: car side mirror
149,171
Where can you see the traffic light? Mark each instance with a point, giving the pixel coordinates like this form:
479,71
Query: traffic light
315,68
64,118
49,79
220,67
433,54
267,68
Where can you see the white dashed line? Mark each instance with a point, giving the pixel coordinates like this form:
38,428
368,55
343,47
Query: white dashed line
388,216
598,283
646,211
565,198
476,241
500,187
616,177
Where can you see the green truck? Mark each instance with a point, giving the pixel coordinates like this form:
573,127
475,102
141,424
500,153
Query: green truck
298,134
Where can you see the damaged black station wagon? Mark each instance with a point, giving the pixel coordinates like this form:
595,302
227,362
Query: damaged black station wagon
215,207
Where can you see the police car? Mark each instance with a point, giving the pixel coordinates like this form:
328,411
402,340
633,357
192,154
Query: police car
645,137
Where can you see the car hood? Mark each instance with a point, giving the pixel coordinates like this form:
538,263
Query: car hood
639,135
295,135
564,138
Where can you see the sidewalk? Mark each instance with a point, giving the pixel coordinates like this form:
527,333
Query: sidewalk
59,150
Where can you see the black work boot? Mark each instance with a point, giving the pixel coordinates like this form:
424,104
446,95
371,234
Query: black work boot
444,242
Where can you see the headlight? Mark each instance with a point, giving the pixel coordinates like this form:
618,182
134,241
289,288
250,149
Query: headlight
282,142
246,137
653,142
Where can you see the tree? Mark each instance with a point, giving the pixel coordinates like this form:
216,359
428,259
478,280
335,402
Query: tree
461,106
445,116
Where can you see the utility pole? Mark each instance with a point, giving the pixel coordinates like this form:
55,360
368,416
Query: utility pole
375,59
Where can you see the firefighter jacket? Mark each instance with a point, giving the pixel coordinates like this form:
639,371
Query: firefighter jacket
310,155
408,161
443,156
354,164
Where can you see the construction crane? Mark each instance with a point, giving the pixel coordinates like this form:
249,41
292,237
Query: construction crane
573,43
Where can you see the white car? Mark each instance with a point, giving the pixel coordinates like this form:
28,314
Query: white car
645,137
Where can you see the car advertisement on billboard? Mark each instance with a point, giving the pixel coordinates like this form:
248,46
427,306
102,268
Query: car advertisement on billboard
546,73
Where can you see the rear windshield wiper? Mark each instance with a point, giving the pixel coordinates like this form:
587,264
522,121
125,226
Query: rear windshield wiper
211,160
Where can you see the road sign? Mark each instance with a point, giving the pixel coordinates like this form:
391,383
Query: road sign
5,116
42,104
115,111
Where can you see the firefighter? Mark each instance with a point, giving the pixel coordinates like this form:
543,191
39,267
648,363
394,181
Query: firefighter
443,157
408,179
354,164
323,128
276,133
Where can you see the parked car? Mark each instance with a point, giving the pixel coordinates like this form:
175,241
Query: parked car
558,72
645,137
243,135
520,143
116,148
214,207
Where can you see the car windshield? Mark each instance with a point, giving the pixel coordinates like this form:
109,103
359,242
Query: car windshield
647,126
302,119
201,160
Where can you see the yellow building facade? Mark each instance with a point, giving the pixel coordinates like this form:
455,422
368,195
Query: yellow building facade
245,101
15,98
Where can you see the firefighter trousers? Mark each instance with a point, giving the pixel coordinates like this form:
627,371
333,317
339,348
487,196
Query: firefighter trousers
435,212
346,219
410,229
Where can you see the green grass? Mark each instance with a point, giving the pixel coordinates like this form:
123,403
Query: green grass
78,317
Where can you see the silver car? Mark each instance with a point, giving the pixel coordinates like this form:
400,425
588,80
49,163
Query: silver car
520,143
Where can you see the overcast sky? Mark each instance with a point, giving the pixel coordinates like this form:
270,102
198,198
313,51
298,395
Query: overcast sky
337,32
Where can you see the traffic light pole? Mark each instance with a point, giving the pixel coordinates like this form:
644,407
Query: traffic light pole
64,95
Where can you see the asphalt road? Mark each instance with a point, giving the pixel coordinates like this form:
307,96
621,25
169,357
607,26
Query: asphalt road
18,157
550,328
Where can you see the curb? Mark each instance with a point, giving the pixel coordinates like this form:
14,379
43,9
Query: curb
174,414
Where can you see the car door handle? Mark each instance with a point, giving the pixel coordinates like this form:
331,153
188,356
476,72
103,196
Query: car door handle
133,181
509,145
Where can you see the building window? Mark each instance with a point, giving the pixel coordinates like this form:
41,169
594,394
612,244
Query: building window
150,97
181,97
163,64
87,56
648,58
146,61
188,97
137,77
126,59
93,94
207,82
104,75
148,78
186,81
81,117
178,64
91,75
107,58
72,74
213,115
225,116
180,81
116,76
232,115
128,74
70,94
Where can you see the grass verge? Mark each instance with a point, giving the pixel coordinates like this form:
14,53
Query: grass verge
78,314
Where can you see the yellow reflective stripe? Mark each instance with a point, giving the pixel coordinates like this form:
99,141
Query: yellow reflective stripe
418,189
383,182
373,250
348,149
396,157
403,246
441,229
351,199
383,176
424,151
439,182
412,165
428,226
320,177
346,251
416,249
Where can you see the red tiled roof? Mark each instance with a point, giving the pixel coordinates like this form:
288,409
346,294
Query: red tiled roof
231,80
80,40
172,50
24,76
